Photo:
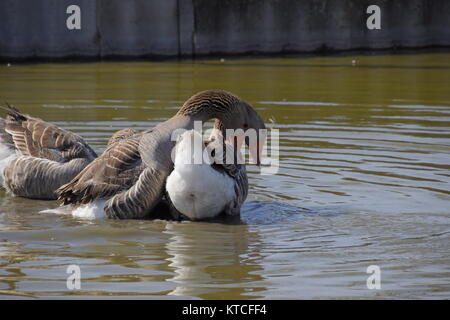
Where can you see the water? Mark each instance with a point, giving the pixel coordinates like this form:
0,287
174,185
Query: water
364,180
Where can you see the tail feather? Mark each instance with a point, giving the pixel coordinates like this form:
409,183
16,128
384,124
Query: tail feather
5,138
14,113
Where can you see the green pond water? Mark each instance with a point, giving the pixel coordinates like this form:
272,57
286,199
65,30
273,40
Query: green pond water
364,180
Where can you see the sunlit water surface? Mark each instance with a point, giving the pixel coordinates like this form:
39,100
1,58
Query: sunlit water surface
363,180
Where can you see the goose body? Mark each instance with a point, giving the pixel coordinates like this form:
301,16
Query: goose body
37,157
41,157
204,189
131,175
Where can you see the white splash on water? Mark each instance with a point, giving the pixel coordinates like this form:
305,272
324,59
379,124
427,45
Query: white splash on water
90,211
6,156
93,210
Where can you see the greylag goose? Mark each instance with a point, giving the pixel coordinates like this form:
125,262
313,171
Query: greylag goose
39,157
209,187
130,176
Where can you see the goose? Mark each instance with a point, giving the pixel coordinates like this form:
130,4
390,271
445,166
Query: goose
129,177
38,157
209,187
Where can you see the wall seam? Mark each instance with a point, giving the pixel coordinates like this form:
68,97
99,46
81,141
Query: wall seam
178,28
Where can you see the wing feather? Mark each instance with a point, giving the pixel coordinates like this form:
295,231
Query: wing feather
116,170
139,200
37,138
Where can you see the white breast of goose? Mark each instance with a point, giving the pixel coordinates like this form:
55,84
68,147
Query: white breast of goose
197,190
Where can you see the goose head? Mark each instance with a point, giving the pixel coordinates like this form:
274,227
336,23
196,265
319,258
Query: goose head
231,113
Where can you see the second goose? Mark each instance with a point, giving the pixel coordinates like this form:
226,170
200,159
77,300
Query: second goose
204,183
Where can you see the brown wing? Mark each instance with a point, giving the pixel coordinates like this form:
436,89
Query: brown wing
38,178
37,138
120,135
138,201
116,170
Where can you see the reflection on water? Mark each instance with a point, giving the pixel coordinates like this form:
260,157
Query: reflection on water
364,179
202,269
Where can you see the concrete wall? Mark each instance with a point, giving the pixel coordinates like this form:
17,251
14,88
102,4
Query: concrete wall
136,28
